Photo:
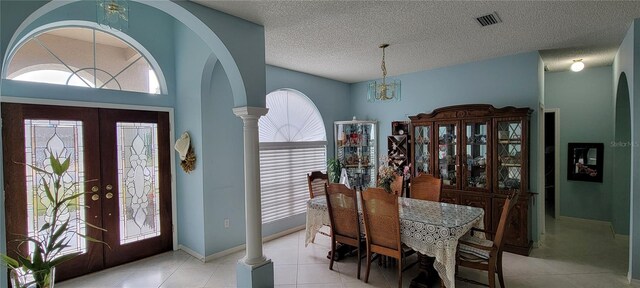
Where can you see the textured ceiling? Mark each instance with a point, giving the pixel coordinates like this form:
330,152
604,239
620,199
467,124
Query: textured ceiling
339,39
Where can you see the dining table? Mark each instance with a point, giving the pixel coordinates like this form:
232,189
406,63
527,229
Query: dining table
430,228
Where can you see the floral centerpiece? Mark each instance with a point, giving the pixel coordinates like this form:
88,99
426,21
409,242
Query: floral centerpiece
386,174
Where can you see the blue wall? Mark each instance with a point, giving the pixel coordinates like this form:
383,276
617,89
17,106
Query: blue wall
191,56
506,81
586,115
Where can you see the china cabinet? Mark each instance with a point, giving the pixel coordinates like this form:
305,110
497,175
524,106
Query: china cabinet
355,148
481,154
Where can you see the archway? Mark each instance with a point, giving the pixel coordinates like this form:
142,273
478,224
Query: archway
622,157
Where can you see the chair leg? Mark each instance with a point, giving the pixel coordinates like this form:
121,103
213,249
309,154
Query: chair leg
333,253
366,274
400,272
492,277
359,260
499,269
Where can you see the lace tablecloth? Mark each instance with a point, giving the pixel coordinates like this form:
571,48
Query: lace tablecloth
431,228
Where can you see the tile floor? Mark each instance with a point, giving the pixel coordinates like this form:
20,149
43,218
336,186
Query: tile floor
574,254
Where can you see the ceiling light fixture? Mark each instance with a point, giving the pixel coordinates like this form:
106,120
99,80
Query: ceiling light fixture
577,65
385,91
113,13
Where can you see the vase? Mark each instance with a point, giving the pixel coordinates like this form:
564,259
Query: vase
25,278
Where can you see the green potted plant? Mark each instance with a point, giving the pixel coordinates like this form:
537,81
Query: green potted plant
334,168
37,268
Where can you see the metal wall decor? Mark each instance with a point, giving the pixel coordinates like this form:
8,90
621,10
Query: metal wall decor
113,14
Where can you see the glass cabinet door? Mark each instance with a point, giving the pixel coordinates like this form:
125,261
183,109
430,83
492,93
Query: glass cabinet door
509,155
447,153
421,148
476,160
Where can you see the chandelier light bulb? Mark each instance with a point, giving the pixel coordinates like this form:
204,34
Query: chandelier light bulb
577,65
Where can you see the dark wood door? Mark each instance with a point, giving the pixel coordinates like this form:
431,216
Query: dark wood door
101,158
136,180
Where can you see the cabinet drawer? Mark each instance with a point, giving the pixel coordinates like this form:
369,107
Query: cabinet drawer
450,197
483,202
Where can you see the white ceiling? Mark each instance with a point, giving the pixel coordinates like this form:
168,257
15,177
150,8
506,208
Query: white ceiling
339,39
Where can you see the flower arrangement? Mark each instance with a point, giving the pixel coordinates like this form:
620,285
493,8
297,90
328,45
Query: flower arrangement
386,174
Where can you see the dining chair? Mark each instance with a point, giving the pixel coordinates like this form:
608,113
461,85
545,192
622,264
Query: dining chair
342,204
317,181
426,187
382,227
483,254
317,184
397,186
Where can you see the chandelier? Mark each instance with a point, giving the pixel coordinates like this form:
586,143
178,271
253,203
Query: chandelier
113,14
385,90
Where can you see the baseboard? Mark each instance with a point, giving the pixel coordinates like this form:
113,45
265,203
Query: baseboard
590,221
619,236
243,246
632,281
191,252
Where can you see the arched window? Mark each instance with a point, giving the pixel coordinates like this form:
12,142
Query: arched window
293,142
84,57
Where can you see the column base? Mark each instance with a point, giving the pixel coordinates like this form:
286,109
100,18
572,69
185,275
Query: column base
256,275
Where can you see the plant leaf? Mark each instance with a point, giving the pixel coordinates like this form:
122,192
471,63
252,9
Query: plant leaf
93,239
45,226
13,263
63,258
47,191
94,226
26,262
38,169
65,164
55,165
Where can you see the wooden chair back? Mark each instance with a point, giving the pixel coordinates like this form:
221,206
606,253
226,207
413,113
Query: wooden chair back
381,216
426,187
382,221
504,217
317,182
342,204
397,186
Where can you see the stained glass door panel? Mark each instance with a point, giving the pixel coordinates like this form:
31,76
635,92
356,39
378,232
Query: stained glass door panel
138,181
62,139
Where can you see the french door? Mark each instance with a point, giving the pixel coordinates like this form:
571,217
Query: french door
122,156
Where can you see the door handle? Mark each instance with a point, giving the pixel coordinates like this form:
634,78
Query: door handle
109,195
109,187
95,197
95,189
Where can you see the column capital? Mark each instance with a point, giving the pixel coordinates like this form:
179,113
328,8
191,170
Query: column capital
246,112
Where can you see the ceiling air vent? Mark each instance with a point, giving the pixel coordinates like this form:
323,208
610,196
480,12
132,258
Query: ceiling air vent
489,19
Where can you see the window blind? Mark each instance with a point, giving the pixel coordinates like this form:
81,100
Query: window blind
283,176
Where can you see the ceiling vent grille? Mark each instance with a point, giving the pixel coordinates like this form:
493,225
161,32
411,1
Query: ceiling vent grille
489,19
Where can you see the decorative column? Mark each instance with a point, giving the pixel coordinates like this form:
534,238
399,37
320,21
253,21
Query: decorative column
254,270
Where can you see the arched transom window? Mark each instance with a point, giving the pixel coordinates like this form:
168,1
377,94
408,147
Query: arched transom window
84,57
293,142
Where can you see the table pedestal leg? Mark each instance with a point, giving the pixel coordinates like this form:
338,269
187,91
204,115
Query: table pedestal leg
427,274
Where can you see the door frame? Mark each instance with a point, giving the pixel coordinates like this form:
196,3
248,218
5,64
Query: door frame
557,147
40,101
